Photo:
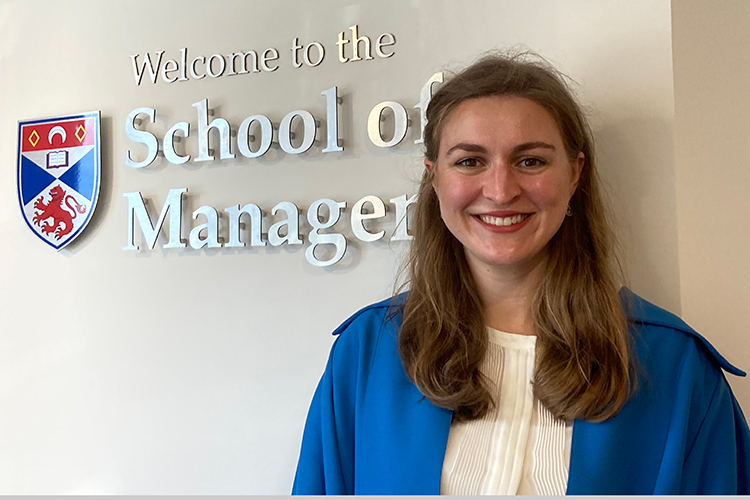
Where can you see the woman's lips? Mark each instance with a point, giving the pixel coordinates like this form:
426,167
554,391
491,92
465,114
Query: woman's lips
503,221
503,224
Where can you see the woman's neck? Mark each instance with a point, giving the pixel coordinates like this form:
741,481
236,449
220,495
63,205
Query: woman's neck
507,295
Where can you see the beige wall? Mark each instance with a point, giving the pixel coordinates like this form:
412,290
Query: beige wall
711,47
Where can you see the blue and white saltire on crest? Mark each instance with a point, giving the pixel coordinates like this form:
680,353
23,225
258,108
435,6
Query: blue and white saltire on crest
59,175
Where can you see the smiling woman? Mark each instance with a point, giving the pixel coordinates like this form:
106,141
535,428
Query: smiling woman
503,180
513,364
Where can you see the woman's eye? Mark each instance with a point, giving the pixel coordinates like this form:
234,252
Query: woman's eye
467,162
531,162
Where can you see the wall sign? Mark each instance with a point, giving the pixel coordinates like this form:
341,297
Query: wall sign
255,135
59,158
58,175
351,46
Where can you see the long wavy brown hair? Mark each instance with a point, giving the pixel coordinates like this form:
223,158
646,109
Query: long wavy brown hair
584,361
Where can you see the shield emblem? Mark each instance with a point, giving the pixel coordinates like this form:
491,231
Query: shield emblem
59,165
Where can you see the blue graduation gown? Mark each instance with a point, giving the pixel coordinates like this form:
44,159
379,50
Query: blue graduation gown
370,431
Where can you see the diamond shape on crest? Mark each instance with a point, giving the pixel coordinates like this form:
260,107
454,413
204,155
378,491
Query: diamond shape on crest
80,133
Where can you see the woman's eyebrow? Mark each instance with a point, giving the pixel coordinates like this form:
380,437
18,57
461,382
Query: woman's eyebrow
467,146
533,145
477,148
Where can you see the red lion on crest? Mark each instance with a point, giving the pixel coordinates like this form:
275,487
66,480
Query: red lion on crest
62,220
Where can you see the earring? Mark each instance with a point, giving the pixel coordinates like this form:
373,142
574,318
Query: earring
569,211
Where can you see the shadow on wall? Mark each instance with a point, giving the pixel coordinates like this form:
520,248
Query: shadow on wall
640,183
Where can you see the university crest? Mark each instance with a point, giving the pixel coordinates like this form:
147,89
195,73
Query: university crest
59,175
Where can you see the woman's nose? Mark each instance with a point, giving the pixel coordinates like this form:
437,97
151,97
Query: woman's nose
502,184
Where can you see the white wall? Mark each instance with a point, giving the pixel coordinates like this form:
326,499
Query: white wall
190,371
712,105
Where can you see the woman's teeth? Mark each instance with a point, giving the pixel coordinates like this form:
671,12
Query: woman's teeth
503,221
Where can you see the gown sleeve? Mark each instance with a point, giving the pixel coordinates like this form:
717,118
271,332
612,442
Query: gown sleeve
326,461
718,461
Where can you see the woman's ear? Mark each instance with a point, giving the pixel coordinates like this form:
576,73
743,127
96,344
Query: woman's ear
428,166
577,166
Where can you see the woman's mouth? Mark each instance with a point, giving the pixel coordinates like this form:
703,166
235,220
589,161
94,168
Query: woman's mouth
503,221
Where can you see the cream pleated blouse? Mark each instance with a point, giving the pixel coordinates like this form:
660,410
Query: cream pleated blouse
519,447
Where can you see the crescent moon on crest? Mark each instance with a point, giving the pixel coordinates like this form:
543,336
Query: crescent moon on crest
58,130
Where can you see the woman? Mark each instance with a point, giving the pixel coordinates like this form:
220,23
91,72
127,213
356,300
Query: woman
513,365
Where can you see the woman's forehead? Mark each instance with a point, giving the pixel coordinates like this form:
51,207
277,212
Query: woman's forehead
498,121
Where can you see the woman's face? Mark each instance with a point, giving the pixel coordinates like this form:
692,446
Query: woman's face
503,179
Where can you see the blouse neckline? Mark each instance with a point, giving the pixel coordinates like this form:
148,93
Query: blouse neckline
511,340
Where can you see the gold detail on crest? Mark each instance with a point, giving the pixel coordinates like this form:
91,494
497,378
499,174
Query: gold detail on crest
82,131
